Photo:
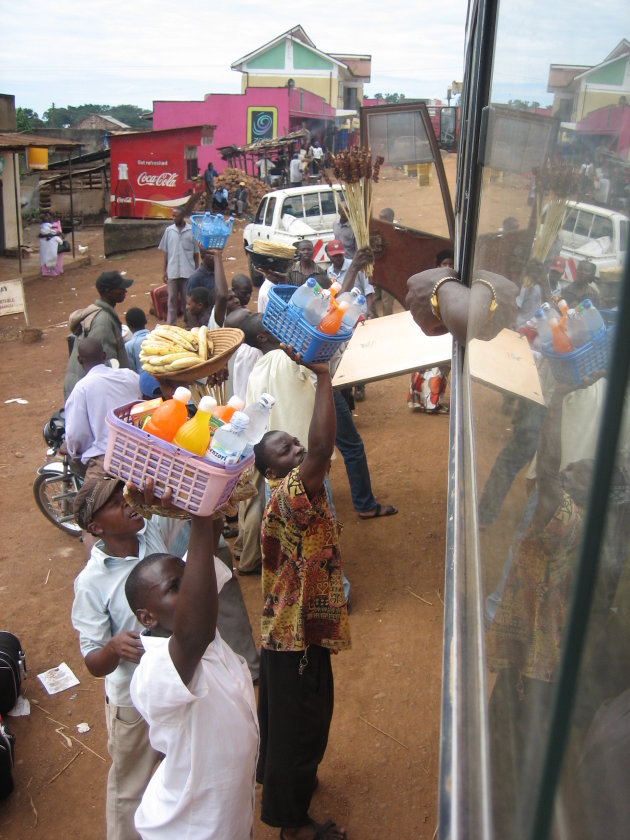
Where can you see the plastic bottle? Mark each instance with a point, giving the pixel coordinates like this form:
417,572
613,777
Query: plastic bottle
229,441
334,288
353,312
206,229
258,414
542,325
217,225
591,317
350,296
194,435
563,306
303,295
223,413
576,329
561,341
168,417
331,322
317,308
549,311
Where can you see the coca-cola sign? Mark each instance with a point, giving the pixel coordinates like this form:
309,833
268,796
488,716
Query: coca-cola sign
161,179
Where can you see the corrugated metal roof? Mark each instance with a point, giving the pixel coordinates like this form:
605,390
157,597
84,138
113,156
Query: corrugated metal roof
13,141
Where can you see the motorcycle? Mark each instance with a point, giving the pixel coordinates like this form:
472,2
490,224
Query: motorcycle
57,481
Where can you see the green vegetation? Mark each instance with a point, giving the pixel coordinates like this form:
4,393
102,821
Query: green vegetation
56,117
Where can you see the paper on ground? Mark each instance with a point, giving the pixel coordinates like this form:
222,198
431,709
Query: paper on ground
58,679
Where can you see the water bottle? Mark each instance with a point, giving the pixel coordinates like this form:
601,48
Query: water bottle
206,229
223,413
354,311
316,308
350,296
229,441
258,414
591,317
548,311
576,329
303,295
542,325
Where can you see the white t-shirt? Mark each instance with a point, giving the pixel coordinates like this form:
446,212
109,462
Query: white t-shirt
263,295
208,732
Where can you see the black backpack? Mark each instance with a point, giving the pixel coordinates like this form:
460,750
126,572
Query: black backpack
7,741
12,668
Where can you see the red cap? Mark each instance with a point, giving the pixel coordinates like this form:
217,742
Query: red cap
557,264
335,246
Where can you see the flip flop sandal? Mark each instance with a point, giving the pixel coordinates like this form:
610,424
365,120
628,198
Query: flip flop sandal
380,510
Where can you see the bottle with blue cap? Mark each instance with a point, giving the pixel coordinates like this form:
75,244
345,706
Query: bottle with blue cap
354,311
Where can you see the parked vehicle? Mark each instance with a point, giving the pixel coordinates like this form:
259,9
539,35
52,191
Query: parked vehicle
295,213
57,481
597,234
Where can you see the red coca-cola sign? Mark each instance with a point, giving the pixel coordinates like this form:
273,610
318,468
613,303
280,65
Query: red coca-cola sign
151,171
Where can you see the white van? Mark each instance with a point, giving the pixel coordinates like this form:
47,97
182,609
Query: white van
295,213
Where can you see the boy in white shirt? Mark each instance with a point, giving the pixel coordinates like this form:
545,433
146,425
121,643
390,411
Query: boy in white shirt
197,697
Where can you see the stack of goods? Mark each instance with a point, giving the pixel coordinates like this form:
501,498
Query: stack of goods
231,179
211,231
171,352
312,320
354,170
271,256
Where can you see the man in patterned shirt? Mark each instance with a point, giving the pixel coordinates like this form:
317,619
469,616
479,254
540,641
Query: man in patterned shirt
304,619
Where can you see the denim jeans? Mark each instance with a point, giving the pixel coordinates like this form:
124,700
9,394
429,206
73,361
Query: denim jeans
348,441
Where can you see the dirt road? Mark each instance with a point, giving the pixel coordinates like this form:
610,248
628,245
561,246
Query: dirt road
379,775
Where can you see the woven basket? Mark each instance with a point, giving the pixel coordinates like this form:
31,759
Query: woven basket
225,342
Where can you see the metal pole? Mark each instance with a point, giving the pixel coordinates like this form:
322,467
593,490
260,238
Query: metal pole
17,210
71,203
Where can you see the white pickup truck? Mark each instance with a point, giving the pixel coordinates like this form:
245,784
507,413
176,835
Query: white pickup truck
597,234
295,213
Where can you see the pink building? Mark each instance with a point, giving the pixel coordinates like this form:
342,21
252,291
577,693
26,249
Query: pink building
242,118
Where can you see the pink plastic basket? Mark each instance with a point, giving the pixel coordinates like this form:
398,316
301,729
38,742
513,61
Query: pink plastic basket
198,486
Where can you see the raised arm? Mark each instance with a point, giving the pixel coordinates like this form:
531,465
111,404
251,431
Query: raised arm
195,621
321,433
220,287
360,261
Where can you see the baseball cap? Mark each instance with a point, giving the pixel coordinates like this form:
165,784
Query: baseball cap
149,385
557,264
335,246
112,280
97,489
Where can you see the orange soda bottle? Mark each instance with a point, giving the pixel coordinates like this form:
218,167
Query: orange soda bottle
330,323
560,340
194,435
334,288
564,308
222,414
168,417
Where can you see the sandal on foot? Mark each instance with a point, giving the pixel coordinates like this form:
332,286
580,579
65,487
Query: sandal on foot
320,829
379,510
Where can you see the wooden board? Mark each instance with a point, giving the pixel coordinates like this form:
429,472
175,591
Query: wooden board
385,347
505,363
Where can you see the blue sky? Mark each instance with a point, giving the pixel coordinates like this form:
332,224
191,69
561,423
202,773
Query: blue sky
113,52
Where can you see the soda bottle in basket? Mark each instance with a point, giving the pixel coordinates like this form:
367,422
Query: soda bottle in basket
331,322
315,310
355,310
303,295
168,417
258,414
542,325
561,341
576,329
194,435
223,413
592,317
229,441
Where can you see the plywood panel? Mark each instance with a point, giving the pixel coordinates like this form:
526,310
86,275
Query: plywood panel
505,363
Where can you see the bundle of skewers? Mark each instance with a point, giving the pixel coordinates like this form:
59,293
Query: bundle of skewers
355,171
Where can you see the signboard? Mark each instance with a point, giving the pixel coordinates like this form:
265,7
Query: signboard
385,347
262,123
12,297
149,172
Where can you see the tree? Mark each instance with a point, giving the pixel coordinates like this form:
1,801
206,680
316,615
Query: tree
390,98
27,119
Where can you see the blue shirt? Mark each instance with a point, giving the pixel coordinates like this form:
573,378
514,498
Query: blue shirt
133,349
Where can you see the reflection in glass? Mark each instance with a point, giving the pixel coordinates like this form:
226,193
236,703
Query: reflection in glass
553,221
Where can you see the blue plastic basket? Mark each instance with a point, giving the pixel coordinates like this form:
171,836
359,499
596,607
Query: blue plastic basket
581,364
287,326
204,240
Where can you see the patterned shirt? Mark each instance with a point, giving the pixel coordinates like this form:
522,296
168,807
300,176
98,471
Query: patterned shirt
304,601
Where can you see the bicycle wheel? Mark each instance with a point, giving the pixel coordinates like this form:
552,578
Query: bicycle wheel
54,494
